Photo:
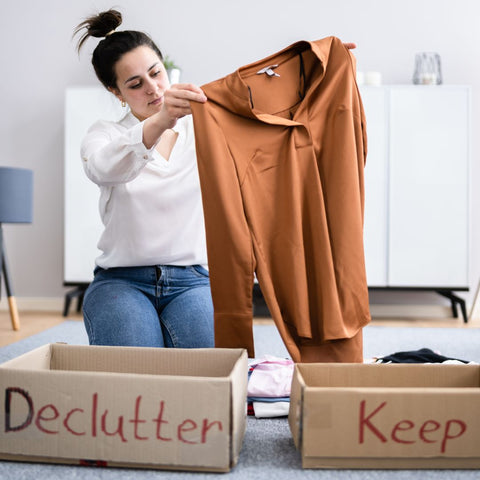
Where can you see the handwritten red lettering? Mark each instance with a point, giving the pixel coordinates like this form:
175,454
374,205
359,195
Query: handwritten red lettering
454,428
206,426
137,420
160,421
424,429
118,431
461,430
50,419
8,409
186,426
404,425
94,414
365,422
41,418
67,420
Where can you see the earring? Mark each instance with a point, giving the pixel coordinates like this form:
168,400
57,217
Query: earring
124,104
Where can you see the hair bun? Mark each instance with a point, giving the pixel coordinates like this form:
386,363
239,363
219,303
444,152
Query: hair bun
98,26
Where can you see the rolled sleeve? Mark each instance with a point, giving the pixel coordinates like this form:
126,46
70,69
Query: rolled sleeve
112,154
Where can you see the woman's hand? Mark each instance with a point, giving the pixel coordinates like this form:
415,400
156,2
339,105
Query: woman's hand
177,100
176,104
350,45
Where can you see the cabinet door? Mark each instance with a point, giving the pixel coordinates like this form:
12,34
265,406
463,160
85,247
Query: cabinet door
428,194
83,227
375,225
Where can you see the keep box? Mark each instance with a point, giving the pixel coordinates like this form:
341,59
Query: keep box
386,415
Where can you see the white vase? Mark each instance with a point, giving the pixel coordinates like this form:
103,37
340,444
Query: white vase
173,75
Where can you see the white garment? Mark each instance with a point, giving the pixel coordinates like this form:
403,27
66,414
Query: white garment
151,207
271,377
271,409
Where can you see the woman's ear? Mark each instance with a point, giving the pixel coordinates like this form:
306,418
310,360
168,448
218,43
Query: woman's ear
117,93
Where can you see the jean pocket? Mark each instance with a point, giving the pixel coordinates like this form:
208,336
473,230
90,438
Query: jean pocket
201,271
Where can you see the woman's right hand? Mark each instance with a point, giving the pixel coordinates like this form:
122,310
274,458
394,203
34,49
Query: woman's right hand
176,104
177,100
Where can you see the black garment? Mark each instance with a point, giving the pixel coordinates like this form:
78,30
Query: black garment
424,355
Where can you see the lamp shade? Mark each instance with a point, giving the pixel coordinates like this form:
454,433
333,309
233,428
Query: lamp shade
16,195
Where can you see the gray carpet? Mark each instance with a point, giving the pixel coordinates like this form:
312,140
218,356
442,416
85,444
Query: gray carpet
268,451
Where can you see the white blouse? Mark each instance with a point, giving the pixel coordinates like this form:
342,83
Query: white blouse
151,207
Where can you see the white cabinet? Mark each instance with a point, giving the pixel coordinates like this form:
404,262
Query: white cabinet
376,186
417,192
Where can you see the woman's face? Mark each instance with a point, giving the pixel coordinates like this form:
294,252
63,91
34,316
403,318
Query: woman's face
141,81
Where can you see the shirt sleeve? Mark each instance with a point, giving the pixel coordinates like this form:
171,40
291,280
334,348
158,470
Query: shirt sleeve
111,156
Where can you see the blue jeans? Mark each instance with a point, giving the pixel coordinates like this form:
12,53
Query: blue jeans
159,306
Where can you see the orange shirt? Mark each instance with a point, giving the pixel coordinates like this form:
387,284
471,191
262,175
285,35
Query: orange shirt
281,152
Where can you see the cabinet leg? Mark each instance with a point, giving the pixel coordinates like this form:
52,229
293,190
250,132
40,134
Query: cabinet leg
455,300
79,293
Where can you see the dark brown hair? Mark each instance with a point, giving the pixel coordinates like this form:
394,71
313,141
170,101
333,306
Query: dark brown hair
114,44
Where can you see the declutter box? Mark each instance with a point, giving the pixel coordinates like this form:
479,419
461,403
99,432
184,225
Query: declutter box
386,415
176,409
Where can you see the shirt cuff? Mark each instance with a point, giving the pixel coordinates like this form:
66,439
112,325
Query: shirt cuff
136,141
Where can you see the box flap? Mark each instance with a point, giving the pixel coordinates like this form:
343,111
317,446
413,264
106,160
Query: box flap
38,359
295,417
239,380
143,360
390,375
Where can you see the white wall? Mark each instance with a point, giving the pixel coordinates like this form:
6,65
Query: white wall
209,39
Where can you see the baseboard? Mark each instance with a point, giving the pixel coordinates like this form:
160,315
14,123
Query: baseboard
408,311
35,304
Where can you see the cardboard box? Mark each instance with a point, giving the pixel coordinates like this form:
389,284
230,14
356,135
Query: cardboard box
386,415
135,407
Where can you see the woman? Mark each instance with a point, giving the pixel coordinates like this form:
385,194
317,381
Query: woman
151,285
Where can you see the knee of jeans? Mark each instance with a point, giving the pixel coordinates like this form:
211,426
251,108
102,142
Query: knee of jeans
188,336
169,337
89,328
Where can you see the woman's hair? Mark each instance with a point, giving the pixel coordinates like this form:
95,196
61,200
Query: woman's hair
114,44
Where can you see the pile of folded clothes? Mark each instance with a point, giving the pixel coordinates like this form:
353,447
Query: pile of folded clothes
269,385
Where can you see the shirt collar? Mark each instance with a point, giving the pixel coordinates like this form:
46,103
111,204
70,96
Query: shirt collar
240,101
129,120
